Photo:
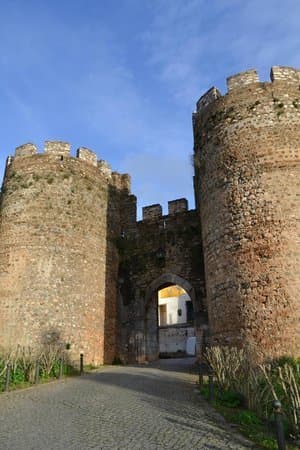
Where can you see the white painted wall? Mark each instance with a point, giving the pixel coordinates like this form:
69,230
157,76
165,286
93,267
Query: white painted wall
173,304
176,339
174,335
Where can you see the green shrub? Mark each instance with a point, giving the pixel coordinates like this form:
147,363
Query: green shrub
117,361
229,399
236,373
247,418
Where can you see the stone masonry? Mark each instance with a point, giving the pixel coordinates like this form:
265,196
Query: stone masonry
247,184
59,221
77,268
160,251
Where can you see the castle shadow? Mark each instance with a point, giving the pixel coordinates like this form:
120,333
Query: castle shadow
171,395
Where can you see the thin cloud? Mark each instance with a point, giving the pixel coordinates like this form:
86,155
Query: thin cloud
193,45
86,76
160,177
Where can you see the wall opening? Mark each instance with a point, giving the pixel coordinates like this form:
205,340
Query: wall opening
176,331
169,318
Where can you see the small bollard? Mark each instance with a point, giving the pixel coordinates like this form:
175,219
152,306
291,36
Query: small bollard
278,425
200,378
81,363
211,394
61,368
7,377
37,372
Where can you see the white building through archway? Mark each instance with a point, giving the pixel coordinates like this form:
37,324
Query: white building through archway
176,322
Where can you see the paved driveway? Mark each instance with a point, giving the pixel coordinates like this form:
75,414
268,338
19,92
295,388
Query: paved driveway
132,408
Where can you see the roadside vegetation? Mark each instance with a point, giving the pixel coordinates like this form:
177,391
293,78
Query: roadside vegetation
244,392
27,366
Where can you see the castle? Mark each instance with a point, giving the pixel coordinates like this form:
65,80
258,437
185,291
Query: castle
77,267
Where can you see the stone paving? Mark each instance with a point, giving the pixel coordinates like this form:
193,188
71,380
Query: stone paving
149,407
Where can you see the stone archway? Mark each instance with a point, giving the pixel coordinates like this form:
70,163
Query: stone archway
168,279
151,310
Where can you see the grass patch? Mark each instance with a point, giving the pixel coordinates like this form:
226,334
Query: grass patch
230,405
117,361
19,379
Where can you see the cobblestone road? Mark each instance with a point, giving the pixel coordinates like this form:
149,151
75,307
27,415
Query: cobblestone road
115,408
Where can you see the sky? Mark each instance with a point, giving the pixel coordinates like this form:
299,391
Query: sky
122,77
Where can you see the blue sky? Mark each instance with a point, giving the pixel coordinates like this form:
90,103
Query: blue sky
122,76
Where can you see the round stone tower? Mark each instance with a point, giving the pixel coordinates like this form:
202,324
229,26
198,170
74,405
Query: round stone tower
58,262
247,185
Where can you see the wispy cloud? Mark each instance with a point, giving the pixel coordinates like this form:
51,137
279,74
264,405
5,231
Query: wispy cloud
123,81
160,177
194,44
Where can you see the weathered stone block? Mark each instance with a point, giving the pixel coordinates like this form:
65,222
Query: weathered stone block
126,182
57,148
152,212
87,155
209,97
25,150
176,206
104,168
283,73
242,79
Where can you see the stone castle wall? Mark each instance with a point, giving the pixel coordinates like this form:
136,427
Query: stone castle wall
77,268
247,181
60,217
162,250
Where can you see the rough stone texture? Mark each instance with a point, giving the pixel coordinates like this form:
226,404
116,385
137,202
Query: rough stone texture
25,150
248,189
87,155
119,408
58,259
126,182
104,168
286,74
242,79
210,96
152,212
57,148
175,206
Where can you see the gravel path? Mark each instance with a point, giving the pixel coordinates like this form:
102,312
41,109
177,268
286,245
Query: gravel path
154,407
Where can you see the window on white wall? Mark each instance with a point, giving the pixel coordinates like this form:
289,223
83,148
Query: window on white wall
189,311
162,315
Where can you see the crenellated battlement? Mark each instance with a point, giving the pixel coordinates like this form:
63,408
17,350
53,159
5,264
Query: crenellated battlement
25,150
242,79
284,73
121,181
62,150
57,148
177,206
87,155
209,97
104,168
247,78
154,212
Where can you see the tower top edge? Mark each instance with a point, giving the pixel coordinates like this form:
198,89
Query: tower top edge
284,74
61,150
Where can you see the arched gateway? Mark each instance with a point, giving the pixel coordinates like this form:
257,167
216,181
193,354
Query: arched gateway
161,251
167,279
151,346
